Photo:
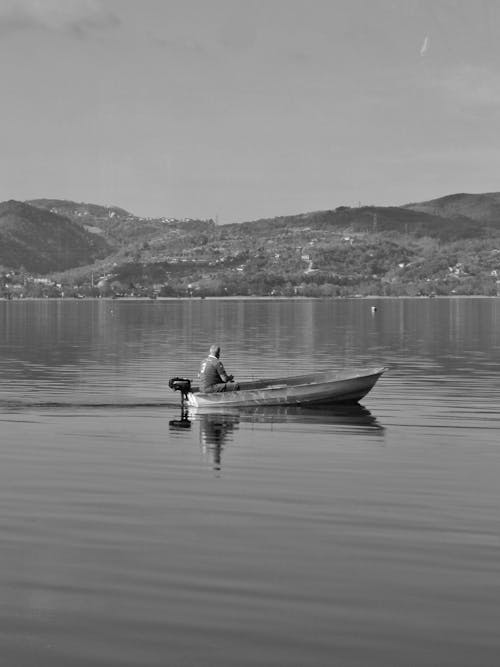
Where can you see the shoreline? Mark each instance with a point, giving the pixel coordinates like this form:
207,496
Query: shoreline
251,298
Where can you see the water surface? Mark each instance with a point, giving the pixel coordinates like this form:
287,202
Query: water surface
134,535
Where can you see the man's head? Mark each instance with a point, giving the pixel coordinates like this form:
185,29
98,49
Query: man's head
215,351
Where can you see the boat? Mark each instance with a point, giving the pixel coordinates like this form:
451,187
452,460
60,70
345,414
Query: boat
313,389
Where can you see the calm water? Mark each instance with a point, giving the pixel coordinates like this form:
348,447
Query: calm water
367,536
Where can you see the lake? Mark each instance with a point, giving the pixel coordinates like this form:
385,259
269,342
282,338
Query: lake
349,536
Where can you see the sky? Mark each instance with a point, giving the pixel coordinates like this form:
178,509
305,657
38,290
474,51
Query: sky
241,109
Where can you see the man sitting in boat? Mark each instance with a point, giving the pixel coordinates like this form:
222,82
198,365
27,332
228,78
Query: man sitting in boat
213,376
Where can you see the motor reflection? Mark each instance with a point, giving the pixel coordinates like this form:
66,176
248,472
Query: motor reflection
180,424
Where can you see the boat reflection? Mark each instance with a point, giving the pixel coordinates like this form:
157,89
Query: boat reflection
217,427
345,416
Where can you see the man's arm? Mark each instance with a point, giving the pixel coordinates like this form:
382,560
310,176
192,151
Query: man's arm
222,372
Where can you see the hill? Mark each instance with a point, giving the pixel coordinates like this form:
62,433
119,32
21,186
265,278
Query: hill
80,211
369,219
42,241
120,228
484,208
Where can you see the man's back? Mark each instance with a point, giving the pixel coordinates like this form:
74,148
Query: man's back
211,372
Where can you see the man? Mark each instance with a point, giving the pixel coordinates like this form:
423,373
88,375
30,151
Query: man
213,376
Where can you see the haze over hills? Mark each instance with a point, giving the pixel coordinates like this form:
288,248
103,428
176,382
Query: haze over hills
439,246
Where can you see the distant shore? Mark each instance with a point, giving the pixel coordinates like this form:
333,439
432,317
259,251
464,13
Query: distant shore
252,298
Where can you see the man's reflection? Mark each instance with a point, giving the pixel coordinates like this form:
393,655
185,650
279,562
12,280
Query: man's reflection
214,431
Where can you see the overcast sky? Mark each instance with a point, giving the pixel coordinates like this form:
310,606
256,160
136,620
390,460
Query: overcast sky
243,109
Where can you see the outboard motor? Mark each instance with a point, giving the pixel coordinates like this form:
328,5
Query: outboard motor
180,384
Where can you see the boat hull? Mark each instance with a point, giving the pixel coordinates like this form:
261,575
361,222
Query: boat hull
315,389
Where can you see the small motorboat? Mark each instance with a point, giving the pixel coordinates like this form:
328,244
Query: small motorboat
314,389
